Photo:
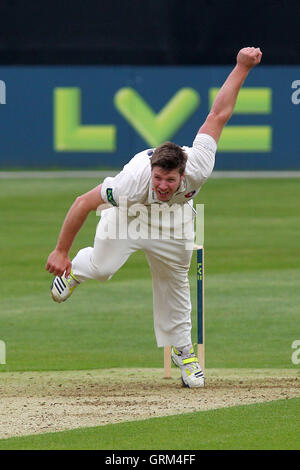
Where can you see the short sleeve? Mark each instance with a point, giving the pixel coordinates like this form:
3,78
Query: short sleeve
132,182
201,157
123,184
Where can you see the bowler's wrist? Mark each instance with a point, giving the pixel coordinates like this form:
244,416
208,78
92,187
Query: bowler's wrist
62,251
243,69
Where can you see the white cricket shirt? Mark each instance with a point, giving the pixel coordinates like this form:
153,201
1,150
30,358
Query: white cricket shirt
135,183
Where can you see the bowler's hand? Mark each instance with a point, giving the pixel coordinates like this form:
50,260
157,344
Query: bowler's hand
58,262
248,57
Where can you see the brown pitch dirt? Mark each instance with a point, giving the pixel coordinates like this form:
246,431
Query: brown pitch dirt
38,402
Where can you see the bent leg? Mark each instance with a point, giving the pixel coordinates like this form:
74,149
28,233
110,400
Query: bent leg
106,256
101,261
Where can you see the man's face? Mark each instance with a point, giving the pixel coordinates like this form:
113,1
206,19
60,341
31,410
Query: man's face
165,183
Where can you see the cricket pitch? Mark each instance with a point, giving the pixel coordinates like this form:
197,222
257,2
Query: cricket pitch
39,402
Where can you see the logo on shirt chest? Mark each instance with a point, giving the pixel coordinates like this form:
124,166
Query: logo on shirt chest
190,194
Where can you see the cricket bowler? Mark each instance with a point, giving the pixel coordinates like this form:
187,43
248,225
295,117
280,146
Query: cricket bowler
168,176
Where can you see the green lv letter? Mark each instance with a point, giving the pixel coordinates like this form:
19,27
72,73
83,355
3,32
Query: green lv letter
70,134
156,128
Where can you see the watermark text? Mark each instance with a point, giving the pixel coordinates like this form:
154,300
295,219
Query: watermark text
2,352
296,94
153,222
2,92
296,354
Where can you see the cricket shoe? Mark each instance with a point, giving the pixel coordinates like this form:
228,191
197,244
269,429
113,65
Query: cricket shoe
62,287
191,373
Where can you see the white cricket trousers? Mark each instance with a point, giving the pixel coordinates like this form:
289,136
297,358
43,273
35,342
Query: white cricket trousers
169,261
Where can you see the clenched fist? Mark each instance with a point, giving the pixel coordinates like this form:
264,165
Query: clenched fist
249,57
58,263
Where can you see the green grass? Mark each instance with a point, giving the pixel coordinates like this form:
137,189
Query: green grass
252,263
265,426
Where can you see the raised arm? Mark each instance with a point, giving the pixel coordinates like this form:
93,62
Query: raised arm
58,261
225,100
